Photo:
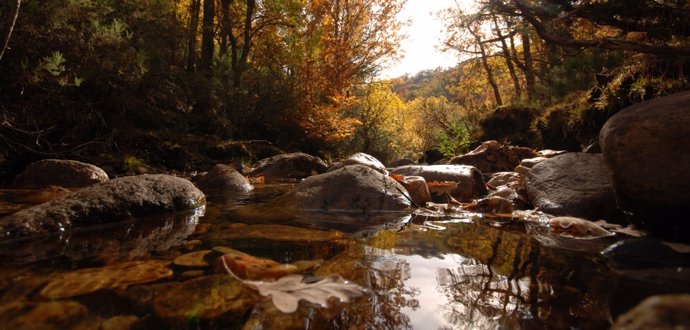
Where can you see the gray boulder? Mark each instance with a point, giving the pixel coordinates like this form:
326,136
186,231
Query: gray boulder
574,184
647,147
353,188
287,167
111,201
225,179
359,158
469,179
59,172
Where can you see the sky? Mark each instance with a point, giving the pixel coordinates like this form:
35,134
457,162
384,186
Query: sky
424,34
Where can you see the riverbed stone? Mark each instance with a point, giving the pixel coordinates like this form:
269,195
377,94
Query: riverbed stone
657,312
647,147
114,200
288,167
60,172
353,188
401,162
223,178
217,297
492,156
469,179
573,184
359,158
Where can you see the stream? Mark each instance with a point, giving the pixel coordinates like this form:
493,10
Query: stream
418,272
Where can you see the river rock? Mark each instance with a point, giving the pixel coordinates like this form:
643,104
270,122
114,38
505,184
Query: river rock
59,172
657,312
360,158
219,297
647,147
402,162
469,179
223,178
114,200
530,162
574,184
292,166
492,156
353,188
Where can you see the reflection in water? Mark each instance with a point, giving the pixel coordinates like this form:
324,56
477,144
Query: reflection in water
112,241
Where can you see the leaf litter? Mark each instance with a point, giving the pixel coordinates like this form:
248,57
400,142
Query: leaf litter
287,291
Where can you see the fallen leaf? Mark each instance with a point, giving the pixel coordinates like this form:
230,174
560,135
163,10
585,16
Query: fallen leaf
441,188
250,267
577,228
287,291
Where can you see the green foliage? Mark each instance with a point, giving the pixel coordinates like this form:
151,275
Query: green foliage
455,140
54,64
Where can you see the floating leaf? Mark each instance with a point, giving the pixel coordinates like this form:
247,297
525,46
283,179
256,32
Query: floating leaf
251,267
441,188
287,291
577,228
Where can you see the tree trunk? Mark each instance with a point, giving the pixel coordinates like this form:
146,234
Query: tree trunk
10,28
191,34
489,73
241,63
508,58
225,25
207,34
529,65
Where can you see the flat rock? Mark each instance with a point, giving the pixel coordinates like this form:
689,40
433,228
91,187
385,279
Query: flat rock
111,201
291,166
574,184
647,147
59,172
469,179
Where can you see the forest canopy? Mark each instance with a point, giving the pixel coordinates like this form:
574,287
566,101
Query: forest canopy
171,82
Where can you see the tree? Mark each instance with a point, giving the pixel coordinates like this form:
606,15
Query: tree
10,27
641,26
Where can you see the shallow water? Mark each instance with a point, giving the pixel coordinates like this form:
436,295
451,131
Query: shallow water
453,272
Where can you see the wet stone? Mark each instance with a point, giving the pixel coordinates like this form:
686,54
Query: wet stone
469,180
115,200
223,179
61,314
286,167
657,312
219,297
360,158
192,259
58,172
122,275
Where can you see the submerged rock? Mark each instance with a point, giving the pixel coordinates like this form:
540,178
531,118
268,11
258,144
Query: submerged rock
216,297
59,172
119,199
223,179
574,184
122,275
657,312
360,158
647,147
469,181
60,314
292,166
644,253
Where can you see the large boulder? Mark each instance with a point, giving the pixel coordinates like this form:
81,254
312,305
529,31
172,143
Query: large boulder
286,167
359,158
492,156
647,147
469,179
59,172
114,200
574,184
353,188
223,179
